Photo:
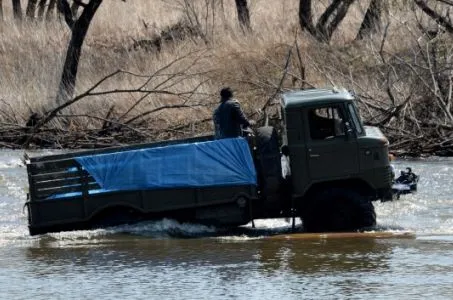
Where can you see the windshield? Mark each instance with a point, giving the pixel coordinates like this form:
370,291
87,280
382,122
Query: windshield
355,118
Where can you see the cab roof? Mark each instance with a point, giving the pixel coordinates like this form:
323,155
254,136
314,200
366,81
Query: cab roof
315,96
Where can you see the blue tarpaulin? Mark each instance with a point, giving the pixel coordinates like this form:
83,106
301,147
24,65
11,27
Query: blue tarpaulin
213,163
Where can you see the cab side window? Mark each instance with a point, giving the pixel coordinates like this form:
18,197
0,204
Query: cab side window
326,122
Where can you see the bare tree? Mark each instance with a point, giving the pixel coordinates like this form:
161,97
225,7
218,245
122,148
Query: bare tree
17,10
442,21
41,8
372,21
51,9
31,8
329,20
79,28
243,14
173,79
306,17
75,7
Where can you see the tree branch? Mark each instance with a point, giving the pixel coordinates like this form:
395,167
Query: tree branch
434,15
65,9
159,109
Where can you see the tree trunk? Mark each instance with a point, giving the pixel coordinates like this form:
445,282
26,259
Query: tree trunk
51,9
372,21
338,18
327,23
442,21
306,17
324,18
64,9
17,10
243,13
79,31
75,8
335,12
31,8
41,8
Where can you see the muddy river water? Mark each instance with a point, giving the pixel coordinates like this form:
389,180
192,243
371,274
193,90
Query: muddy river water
168,260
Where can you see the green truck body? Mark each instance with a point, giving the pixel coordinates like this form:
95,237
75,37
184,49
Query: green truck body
338,167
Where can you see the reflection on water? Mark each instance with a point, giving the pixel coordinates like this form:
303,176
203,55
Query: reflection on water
168,260
264,255
212,266
327,256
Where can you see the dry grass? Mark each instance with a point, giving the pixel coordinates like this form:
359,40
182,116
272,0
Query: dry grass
31,56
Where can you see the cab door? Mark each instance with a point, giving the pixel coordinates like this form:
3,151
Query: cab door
331,146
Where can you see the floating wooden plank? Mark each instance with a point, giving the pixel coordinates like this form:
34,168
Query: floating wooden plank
344,235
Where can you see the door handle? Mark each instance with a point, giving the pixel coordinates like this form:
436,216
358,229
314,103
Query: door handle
314,155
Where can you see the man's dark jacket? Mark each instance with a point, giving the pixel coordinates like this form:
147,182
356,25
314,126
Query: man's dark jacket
228,118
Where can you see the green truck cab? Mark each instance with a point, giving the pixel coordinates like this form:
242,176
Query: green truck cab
338,167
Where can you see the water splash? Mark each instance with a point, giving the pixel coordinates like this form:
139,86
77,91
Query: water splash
428,212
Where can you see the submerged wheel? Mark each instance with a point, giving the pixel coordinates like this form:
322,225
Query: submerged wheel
338,209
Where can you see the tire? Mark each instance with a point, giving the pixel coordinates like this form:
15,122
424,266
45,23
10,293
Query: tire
267,159
338,209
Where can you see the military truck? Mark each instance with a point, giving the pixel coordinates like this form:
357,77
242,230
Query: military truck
338,167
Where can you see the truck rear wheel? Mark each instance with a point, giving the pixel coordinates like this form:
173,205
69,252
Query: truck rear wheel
338,209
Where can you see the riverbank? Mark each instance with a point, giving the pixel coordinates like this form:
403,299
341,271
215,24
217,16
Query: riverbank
104,138
400,75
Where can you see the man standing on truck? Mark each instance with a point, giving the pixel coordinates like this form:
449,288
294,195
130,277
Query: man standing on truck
229,119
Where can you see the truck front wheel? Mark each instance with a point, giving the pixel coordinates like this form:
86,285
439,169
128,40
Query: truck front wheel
338,209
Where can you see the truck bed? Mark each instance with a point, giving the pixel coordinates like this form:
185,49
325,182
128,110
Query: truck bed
81,190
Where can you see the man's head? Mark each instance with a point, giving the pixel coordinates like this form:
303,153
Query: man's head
226,93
